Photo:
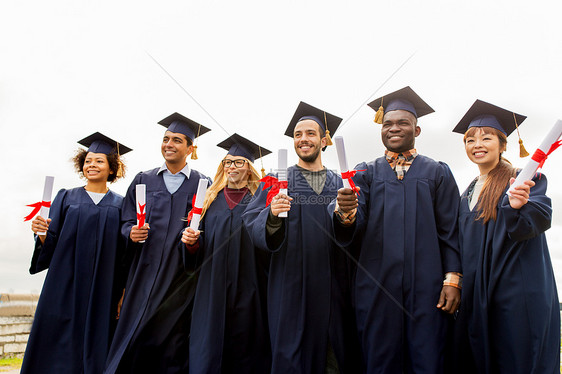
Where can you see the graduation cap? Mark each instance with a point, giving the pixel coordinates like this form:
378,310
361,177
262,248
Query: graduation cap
328,122
183,125
99,143
237,145
483,114
403,99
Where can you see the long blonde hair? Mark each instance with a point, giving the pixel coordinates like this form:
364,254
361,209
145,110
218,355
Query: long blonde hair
220,182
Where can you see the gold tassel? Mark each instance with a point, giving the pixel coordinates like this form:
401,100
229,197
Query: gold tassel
328,138
261,160
120,165
522,151
379,115
120,169
194,154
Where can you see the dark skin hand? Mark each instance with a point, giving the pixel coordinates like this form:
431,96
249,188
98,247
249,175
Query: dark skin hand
139,234
450,299
347,200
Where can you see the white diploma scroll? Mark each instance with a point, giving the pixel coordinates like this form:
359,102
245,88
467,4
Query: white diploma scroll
342,158
47,193
198,205
531,168
140,191
282,173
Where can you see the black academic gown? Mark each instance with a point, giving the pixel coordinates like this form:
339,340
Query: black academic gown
308,307
406,239
509,320
73,322
152,335
229,326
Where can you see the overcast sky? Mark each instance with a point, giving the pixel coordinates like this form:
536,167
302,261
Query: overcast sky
70,68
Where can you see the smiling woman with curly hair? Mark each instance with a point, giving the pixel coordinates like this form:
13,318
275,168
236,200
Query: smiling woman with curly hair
77,308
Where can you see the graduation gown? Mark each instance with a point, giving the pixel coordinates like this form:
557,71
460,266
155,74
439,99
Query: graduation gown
306,296
73,322
406,238
229,326
509,319
153,329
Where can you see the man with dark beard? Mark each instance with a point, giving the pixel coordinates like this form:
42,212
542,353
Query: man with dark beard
309,308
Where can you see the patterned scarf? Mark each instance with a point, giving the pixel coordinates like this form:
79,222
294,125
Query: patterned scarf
400,162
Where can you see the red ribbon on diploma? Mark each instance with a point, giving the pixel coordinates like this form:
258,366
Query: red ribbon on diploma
540,157
348,175
36,208
194,210
269,181
142,215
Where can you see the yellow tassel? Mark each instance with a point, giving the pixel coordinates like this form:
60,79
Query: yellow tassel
328,138
120,165
120,169
262,172
194,154
379,115
522,151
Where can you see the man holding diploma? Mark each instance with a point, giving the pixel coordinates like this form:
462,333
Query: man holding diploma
403,229
153,330
307,289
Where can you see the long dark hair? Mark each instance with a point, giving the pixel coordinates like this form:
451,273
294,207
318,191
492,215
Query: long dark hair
497,180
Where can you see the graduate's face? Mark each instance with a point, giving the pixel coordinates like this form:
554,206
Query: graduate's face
96,167
175,147
237,177
399,130
308,142
483,148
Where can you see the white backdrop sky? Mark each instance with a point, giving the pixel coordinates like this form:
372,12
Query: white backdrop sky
69,68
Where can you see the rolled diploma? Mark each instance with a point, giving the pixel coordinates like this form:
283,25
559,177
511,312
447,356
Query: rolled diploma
140,191
342,158
199,198
282,173
47,193
531,168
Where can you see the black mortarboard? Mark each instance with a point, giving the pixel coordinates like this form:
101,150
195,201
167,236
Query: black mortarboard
483,114
403,99
183,125
237,145
99,143
328,122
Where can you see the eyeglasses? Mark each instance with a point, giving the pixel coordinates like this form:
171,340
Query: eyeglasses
239,163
